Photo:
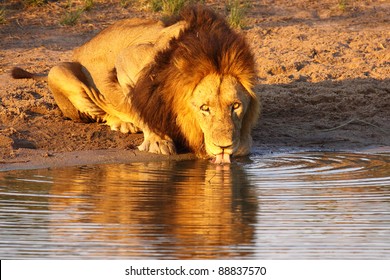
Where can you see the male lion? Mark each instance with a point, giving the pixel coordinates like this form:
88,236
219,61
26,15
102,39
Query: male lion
184,84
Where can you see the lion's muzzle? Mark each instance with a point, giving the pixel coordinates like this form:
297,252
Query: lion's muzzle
222,158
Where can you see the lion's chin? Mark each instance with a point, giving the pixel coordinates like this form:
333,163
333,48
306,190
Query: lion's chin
221,158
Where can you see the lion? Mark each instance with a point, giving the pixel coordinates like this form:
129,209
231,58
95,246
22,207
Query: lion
186,84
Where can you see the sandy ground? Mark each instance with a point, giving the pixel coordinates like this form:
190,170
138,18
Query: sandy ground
323,68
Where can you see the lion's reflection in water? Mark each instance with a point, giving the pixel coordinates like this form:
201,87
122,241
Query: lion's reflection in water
189,209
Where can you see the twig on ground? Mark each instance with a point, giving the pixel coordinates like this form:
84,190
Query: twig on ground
351,121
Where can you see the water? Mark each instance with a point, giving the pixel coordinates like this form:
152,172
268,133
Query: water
292,206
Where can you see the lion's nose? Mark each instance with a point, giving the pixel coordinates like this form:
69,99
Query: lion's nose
224,146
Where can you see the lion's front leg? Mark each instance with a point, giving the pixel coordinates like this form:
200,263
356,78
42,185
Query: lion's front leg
153,143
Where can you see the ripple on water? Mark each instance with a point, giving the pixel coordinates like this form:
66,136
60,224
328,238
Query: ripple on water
323,205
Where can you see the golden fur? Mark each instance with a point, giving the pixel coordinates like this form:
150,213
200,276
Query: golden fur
186,84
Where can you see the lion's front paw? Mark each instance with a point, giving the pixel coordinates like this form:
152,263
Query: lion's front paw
154,144
125,127
117,125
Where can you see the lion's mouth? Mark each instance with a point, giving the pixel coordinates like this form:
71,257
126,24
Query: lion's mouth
221,158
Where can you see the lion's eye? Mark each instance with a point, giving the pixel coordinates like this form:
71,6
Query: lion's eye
205,108
236,105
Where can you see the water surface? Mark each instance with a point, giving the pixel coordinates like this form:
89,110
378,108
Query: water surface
291,206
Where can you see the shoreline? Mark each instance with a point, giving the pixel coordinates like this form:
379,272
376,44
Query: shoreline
38,159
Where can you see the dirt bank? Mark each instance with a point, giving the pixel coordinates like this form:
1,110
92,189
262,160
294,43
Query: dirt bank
324,80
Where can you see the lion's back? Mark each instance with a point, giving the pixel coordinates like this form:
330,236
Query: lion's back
104,48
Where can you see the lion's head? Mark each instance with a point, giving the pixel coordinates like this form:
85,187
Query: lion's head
198,90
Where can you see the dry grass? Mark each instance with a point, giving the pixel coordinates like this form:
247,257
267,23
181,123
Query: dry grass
72,11
170,7
34,2
236,12
3,19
